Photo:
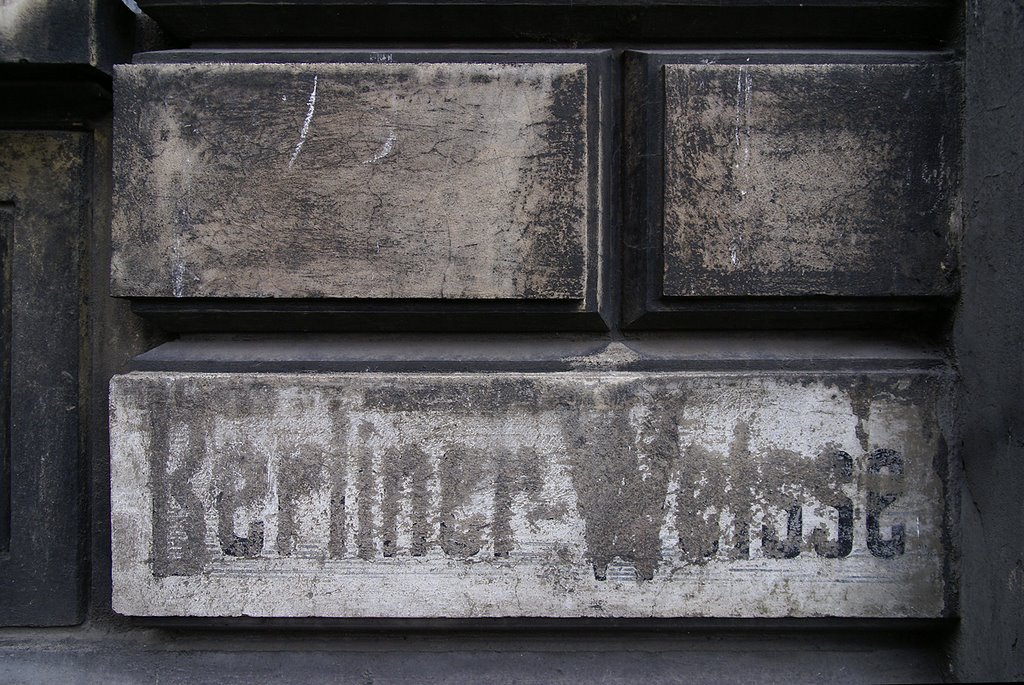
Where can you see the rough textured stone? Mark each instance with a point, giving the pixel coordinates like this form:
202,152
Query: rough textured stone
352,180
44,204
989,337
479,655
573,494
805,179
88,32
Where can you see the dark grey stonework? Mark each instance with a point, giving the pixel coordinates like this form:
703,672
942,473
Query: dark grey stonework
55,60
989,343
470,655
45,195
885,22
95,33
810,179
790,188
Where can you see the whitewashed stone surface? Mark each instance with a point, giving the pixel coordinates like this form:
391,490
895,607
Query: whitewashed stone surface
516,494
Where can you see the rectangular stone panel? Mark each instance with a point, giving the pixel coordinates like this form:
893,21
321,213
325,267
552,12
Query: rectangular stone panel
45,207
519,494
804,179
389,180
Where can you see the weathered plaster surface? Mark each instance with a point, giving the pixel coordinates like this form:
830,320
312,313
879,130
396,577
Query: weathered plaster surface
352,180
564,494
805,179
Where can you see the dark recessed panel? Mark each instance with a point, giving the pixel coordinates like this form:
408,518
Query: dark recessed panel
888,22
43,188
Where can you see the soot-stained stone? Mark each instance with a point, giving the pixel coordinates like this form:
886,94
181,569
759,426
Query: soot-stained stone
45,183
811,179
61,32
428,180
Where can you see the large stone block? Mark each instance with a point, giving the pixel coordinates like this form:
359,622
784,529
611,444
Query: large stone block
430,180
800,178
517,494
789,179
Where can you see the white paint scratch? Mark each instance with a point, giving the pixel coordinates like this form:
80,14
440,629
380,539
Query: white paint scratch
385,149
741,134
178,278
305,125
739,107
744,88
178,267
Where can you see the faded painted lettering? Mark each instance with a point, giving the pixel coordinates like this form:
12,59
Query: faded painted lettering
786,488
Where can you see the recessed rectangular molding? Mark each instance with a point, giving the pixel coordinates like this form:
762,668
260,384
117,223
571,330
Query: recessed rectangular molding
44,207
518,494
405,178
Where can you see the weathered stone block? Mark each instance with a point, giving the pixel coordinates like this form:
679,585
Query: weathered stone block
810,179
84,32
387,180
516,494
